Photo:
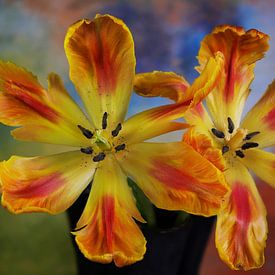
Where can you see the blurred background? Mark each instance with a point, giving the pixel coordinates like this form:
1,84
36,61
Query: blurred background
167,37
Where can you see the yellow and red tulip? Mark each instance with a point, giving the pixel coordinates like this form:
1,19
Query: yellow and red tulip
235,147
105,148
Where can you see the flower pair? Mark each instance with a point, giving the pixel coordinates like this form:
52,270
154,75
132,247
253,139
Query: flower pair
106,149
234,147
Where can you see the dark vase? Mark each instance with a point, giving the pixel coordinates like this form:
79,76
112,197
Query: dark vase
170,250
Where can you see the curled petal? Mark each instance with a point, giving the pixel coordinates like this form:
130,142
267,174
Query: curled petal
44,184
42,116
175,177
241,225
164,84
106,231
262,118
262,163
102,66
241,50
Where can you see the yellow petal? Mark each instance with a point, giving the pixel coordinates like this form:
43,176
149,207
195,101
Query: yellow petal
164,84
109,232
175,177
241,225
50,117
262,118
102,66
241,50
45,184
262,163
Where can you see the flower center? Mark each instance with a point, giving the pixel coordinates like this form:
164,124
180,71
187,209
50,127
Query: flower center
235,141
102,141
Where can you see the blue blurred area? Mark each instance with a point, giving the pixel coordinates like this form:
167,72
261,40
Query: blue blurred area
167,37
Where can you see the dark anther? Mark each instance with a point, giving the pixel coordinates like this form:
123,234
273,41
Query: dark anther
240,153
251,135
78,229
249,145
217,133
225,149
99,157
117,130
87,133
87,150
104,120
230,125
120,147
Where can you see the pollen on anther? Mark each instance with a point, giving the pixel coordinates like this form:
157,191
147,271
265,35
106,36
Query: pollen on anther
99,157
231,126
117,130
239,153
251,135
87,133
104,120
120,147
87,150
249,145
217,133
225,149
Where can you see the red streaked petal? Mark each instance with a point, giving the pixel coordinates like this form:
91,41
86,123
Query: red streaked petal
175,177
102,66
262,118
241,226
42,116
44,184
241,50
110,233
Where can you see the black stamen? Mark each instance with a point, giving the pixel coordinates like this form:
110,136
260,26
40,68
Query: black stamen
78,229
217,133
120,147
230,125
239,153
87,133
225,149
104,120
249,145
117,130
99,157
87,150
251,135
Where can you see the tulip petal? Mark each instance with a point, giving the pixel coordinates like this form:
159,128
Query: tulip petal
45,184
164,84
262,163
241,225
262,118
241,50
106,230
160,120
50,117
175,177
200,119
204,145
102,66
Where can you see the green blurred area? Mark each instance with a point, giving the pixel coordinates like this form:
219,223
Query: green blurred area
35,244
